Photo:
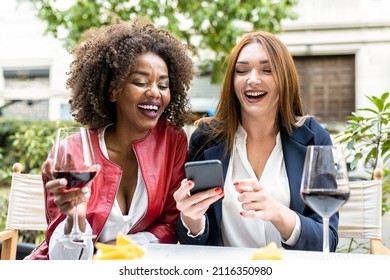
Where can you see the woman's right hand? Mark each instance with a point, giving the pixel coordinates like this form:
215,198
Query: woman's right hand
193,207
66,199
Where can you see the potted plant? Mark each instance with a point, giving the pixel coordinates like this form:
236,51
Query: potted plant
367,138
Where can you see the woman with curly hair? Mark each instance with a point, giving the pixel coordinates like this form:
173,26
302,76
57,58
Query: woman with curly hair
129,85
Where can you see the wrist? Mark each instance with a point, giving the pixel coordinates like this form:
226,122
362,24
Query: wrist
194,225
285,222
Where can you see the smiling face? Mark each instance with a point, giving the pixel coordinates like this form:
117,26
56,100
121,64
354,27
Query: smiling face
145,95
254,84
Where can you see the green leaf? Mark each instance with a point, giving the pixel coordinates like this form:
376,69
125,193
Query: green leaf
355,160
368,136
212,25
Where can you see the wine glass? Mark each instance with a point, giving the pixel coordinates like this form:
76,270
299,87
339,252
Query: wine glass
325,184
74,160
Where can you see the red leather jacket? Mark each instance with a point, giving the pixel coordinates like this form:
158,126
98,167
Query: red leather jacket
161,156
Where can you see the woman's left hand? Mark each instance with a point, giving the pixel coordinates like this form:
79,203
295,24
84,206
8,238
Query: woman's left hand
256,202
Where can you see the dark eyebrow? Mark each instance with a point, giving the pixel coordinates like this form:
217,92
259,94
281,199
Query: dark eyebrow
142,73
146,74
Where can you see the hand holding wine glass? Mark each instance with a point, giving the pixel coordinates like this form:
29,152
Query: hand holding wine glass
74,160
325,184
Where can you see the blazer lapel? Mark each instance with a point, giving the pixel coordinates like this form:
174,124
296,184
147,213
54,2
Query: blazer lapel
217,152
294,152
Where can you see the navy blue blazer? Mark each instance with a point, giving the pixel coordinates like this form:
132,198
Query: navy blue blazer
294,151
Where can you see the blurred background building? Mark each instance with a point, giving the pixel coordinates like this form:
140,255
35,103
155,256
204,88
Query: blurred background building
33,69
341,48
342,51
32,66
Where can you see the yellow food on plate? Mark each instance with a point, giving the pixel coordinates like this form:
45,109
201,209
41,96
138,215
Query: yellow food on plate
269,252
124,249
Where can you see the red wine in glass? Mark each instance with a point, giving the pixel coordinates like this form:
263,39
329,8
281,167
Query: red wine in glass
325,185
324,201
76,179
74,160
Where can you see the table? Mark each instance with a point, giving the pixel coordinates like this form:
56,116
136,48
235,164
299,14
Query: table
194,252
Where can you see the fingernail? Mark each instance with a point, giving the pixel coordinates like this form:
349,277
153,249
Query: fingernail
218,191
85,190
62,182
242,214
236,184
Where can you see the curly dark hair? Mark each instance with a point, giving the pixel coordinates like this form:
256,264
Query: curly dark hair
103,59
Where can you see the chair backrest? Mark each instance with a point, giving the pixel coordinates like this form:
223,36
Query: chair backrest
361,216
26,210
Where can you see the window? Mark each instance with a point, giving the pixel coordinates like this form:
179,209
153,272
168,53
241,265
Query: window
25,93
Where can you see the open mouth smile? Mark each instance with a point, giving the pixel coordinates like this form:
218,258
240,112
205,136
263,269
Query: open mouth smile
255,94
149,107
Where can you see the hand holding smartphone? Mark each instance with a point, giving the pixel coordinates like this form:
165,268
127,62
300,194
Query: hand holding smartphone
206,174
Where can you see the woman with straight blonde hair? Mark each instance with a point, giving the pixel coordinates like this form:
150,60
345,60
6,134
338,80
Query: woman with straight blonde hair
260,134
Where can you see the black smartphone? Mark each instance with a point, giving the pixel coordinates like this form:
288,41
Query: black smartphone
206,174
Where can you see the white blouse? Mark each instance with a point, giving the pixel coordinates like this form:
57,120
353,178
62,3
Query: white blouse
117,222
238,231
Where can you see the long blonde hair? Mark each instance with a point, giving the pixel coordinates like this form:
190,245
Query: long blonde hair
228,113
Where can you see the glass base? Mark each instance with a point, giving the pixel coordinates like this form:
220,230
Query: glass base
77,237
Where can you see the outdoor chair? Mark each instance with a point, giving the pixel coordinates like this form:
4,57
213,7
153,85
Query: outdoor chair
361,216
26,210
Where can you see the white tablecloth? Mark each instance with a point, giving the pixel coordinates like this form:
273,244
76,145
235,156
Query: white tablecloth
191,252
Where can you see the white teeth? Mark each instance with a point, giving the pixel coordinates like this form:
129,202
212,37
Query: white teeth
257,93
148,107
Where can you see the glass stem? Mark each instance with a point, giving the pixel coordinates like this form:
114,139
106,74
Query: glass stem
76,230
325,248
